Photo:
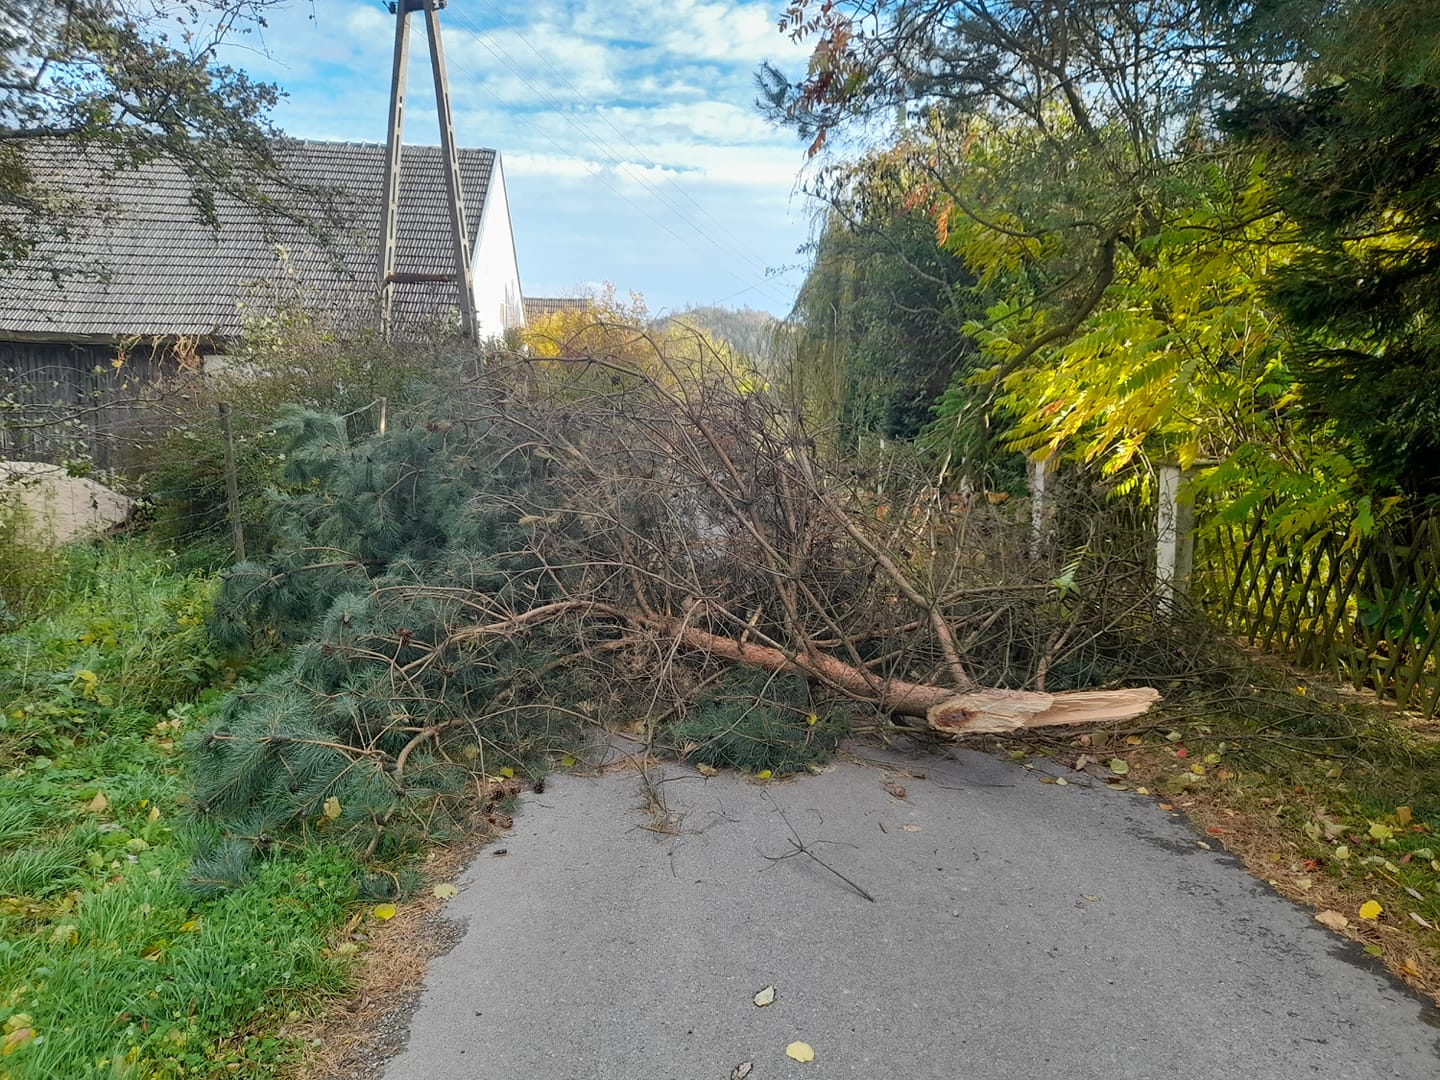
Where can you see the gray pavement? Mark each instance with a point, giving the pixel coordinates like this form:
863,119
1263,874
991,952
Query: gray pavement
1018,930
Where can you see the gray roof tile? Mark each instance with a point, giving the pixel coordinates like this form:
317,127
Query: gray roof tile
165,272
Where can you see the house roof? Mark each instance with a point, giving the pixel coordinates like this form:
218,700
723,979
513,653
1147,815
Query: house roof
537,307
159,270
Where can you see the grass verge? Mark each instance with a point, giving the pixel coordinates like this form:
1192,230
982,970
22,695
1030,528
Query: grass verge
109,965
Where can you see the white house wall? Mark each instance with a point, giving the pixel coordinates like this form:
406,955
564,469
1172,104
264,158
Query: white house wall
495,272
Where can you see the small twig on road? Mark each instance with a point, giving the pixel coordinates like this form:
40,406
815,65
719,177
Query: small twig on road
801,848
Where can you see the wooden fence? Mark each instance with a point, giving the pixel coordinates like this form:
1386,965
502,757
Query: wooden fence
1368,614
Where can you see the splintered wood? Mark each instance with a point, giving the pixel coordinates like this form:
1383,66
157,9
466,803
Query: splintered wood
996,712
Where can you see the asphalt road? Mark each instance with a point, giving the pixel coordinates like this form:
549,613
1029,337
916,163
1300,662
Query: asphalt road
1018,930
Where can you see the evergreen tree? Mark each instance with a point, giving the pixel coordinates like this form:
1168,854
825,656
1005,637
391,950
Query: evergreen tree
1355,164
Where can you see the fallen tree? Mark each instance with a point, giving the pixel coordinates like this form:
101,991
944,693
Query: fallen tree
603,537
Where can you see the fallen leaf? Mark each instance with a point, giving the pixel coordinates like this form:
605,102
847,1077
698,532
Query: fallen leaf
346,948
99,803
508,773
331,808
1414,893
812,720
707,770
384,912
741,1071
1420,920
1182,752
1119,766
1142,791
1380,831
1371,909
567,760
1133,740
445,892
764,774
19,1036
1198,769
765,997
1410,967
1333,919
1166,806
1201,843
1060,781
800,1051
1403,815
1342,853
1373,950
1081,762
1173,736
911,828
154,815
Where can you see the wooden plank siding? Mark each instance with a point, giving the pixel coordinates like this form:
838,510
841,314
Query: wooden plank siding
60,401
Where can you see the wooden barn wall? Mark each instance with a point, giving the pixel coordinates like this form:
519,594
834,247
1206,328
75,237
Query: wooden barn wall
61,401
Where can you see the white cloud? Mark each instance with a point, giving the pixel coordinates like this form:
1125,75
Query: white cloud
615,120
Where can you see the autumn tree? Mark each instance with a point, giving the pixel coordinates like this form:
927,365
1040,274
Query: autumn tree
1354,163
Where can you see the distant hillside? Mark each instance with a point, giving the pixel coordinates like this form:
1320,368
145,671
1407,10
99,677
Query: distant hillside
744,329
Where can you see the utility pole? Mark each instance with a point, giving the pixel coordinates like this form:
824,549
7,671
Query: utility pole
389,277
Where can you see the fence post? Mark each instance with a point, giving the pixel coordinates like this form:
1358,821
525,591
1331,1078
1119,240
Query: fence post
1174,535
1037,472
232,483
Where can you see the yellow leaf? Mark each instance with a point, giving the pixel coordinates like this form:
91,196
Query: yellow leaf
16,1039
707,770
331,808
800,1051
189,926
154,815
764,774
1133,740
444,892
1371,909
508,773
1198,769
1380,831
1342,852
567,760
1119,766
384,911
1403,815
346,948
1410,967
812,719
765,997
1333,919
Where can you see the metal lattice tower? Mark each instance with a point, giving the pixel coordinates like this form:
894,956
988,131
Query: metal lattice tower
388,276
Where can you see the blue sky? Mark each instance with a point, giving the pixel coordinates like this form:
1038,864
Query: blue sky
633,151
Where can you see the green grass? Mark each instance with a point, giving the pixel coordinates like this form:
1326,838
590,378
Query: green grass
109,965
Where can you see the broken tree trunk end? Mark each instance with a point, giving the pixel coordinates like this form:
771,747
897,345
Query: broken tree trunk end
993,712
975,712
